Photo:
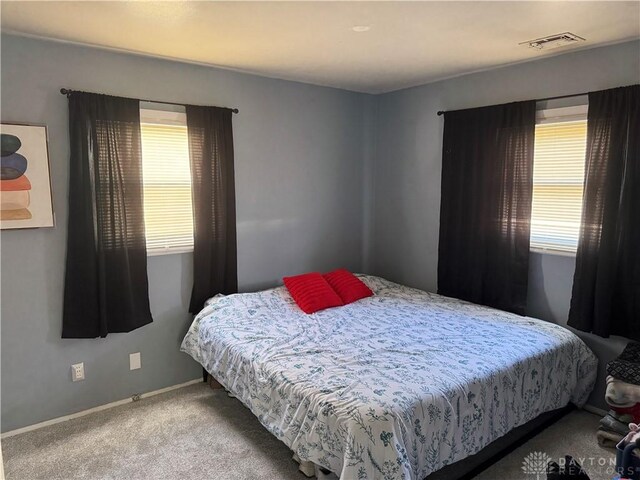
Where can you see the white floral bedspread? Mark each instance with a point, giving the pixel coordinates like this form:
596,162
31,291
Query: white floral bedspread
394,386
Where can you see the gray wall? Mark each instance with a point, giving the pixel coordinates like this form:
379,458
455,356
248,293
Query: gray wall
300,194
407,169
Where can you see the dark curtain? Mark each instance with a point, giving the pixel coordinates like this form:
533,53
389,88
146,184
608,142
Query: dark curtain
106,287
485,212
214,207
606,284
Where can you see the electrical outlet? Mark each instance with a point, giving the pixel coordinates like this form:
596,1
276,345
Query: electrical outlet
134,361
77,372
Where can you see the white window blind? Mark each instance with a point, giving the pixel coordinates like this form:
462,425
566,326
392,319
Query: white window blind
168,212
558,178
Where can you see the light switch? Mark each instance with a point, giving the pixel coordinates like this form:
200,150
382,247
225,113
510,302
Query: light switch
134,361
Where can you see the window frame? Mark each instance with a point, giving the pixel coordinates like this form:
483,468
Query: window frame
558,115
164,114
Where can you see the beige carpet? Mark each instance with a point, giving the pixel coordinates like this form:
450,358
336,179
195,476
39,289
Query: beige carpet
197,433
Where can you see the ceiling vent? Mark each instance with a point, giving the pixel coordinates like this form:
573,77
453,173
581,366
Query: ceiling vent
554,41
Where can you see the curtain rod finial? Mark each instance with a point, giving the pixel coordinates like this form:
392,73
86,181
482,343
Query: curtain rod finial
440,112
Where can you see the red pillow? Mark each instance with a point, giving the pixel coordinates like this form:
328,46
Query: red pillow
349,287
312,292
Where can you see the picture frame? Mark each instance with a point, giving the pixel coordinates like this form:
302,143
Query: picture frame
26,198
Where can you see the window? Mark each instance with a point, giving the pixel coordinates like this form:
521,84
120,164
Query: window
168,212
558,177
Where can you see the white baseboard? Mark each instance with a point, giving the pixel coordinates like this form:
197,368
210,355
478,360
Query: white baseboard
595,410
99,408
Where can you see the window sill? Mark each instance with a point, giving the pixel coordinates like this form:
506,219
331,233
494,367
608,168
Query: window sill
156,252
550,251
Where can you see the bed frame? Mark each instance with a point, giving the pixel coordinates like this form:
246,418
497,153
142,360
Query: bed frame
469,467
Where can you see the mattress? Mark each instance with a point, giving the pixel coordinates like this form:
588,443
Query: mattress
395,386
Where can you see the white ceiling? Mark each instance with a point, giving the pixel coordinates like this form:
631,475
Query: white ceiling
409,43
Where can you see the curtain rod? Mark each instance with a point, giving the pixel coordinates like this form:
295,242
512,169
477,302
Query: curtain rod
67,92
441,112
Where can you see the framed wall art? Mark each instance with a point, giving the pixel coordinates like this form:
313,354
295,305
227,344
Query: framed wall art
25,182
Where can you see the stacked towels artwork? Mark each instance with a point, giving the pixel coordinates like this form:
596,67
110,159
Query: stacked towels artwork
623,398
15,184
25,187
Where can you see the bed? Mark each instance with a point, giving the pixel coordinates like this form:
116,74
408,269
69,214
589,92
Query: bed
394,386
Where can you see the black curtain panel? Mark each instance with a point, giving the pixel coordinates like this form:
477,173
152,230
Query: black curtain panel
485,212
214,208
106,286
606,284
